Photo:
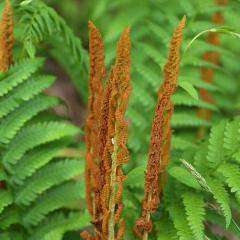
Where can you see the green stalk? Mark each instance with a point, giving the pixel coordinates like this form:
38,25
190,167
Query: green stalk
111,221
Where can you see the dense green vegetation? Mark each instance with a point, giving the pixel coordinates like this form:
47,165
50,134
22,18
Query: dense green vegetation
42,191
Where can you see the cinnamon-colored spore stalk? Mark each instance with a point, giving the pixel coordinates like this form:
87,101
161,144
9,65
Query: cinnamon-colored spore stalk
106,137
6,37
158,155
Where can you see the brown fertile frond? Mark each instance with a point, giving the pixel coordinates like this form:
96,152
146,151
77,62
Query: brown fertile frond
6,37
103,121
122,74
158,155
97,74
115,152
106,136
171,68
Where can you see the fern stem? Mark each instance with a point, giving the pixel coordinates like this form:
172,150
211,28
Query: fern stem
145,234
111,222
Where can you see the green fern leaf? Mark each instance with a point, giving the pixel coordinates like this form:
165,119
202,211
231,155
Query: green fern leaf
5,199
34,160
56,198
188,87
149,75
181,144
47,177
216,151
195,211
166,230
36,135
187,120
231,139
153,53
18,73
13,122
56,225
232,174
9,217
183,176
24,92
40,21
221,196
178,217
184,100
136,173
16,235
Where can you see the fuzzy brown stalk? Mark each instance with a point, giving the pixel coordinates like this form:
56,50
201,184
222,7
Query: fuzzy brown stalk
207,74
106,136
6,37
158,156
97,74
116,153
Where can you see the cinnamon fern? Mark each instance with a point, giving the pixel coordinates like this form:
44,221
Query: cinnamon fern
106,135
158,155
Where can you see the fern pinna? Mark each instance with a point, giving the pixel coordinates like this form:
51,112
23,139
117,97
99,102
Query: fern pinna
37,200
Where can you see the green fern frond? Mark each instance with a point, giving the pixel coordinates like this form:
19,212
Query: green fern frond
231,139
154,54
180,120
34,160
14,121
222,197
35,135
166,230
40,21
58,224
183,176
5,199
54,199
216,151
195,80
149,75
137,119
18,73
232,174
47,177
184,100
178,217
139,92
160,33
8,217
181,144
195,211
24,92
3,175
